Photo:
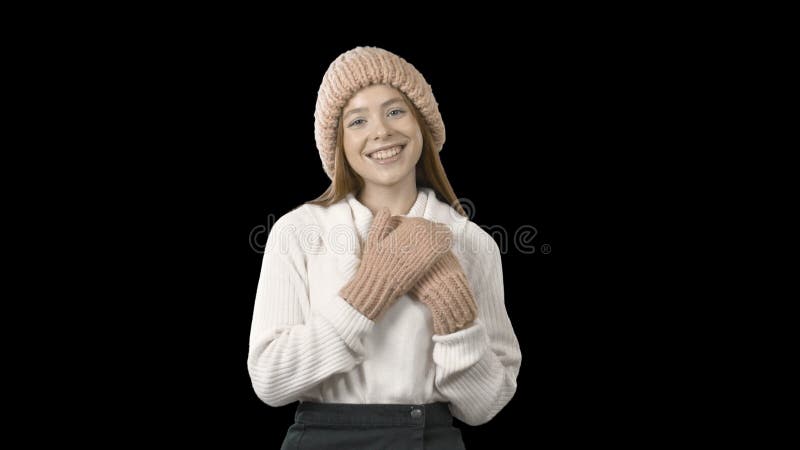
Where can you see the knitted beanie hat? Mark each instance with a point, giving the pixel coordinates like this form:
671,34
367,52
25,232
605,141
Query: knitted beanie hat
359,68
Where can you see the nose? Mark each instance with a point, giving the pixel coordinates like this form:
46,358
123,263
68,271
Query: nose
381,131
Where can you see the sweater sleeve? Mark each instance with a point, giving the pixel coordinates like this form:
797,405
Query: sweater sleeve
477,367
292,347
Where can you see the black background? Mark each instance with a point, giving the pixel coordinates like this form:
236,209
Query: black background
208,135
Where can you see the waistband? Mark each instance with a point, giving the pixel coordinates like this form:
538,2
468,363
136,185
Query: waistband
313,413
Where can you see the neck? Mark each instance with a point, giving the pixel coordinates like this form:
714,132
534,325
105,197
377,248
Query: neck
399,198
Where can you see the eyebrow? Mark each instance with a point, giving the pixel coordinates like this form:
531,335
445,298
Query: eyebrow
383,105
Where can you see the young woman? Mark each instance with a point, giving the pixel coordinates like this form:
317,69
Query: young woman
380,306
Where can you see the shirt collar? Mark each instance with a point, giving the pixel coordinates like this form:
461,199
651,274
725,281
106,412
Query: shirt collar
362,216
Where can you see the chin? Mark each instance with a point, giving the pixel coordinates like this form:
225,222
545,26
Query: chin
390,178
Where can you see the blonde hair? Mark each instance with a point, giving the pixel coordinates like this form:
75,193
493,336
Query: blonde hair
429,171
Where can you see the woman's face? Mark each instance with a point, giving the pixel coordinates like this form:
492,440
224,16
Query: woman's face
377,118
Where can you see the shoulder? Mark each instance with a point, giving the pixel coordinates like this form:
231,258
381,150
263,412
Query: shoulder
477,252
308,224
288,229
478,243
297,217
308,214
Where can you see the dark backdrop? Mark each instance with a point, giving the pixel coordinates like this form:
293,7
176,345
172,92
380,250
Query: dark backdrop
215,141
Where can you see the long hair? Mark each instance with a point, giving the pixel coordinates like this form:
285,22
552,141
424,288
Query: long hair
429,171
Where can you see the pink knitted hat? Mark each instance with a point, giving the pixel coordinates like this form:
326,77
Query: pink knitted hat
359,68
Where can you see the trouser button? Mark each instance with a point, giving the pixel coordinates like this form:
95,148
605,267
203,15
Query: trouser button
416,413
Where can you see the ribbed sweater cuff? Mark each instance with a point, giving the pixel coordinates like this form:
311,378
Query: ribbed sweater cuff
347,321
462,349
451,302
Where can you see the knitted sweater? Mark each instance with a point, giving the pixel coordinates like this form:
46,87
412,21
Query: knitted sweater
309,344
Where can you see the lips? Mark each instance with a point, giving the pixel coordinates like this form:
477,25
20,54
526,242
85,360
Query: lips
383,147
386,155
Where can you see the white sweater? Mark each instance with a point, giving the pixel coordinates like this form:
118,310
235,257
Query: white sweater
309,344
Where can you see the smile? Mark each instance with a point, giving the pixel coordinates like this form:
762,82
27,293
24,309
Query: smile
388,155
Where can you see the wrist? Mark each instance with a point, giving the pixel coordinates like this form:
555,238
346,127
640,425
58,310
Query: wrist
368,291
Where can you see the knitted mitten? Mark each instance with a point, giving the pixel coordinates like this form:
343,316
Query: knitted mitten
445,291
397,252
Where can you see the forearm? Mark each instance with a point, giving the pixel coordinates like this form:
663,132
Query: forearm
289,360
477,379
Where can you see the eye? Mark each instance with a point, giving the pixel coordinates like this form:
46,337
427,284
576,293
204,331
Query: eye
355,122
396,112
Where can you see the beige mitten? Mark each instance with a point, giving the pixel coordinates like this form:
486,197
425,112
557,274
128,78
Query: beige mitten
445,291
398,251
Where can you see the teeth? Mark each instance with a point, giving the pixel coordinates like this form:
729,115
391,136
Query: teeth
388,153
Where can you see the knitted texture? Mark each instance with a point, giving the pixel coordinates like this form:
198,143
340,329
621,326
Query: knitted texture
309,345
357,69
444,289
397,253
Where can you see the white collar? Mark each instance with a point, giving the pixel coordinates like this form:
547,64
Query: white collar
362,216
348,213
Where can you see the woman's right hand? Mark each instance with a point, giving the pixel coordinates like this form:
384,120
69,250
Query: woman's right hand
398,251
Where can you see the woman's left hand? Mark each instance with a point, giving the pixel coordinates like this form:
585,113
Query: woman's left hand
446,292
